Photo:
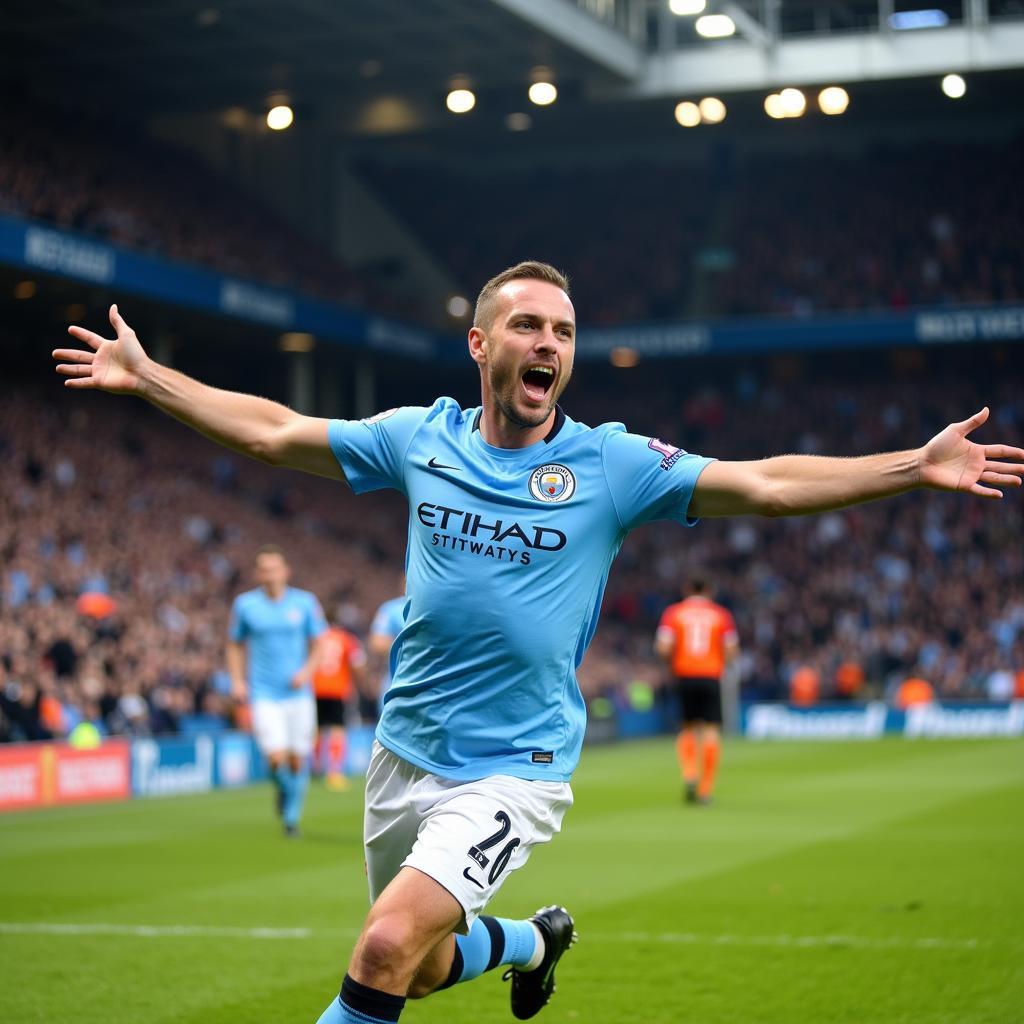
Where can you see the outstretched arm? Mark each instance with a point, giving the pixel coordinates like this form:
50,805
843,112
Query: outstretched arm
793,485
254,426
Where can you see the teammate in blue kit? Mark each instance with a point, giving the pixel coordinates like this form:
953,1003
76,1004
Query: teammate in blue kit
516,514
387,623
272,652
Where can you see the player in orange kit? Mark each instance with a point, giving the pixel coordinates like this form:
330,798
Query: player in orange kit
342,662
698,639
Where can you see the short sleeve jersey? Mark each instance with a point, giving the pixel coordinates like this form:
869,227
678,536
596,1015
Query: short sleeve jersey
507,557
277,636
700,631
340,652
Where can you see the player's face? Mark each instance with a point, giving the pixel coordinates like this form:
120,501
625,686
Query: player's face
271,572
529,350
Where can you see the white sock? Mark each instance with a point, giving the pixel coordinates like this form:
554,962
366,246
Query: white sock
538,953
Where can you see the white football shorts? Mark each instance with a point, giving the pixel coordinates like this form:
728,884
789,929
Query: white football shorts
287,725
467,836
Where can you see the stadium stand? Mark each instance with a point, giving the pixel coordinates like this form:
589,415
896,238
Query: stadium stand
633,233
118,613
69,171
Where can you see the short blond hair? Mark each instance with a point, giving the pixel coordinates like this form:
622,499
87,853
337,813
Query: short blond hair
528,270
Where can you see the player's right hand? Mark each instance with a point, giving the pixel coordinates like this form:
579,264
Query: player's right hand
239,691
113,365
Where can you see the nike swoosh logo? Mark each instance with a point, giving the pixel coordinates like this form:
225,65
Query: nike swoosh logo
465,872
434,464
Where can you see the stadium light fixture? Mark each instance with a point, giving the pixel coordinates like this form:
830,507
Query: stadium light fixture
773,106
25,289
280,117
458,306
543,94
623,357
688,114
712,110
687,7
954,86
460,101
518,122
833,100
715,26
793,102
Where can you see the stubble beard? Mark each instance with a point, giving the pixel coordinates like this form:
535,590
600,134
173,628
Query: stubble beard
504,387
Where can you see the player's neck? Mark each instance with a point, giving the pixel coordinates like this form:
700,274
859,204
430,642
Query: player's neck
275,593
501,432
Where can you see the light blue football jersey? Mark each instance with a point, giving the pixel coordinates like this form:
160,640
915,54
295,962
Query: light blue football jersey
277,636
507,558
388,621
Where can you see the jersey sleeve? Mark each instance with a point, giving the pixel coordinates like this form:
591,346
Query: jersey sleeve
372,452
650,479
387,620
238,630
316,621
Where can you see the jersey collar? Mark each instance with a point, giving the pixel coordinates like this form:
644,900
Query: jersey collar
548,437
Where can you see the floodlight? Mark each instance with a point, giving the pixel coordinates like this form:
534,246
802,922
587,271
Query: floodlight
954,86
712,110
460,101
688,114
280,117
833,99
715,26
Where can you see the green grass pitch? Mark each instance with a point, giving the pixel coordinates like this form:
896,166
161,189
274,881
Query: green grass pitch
848,883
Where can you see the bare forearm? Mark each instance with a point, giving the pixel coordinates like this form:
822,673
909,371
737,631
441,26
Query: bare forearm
242,422
235,658
804,484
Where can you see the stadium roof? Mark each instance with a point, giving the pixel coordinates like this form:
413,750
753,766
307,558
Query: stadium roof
146,57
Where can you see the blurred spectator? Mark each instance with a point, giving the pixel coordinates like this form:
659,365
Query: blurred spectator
912,692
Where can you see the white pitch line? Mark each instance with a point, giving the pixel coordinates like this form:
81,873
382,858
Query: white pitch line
146,931
151,931
790,941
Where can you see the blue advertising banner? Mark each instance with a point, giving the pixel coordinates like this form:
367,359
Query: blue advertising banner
32,245
37,246
238,762
169,767
937,720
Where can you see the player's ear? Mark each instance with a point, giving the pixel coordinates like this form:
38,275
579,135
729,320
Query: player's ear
477,345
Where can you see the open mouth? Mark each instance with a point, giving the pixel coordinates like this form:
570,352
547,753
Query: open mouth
537,382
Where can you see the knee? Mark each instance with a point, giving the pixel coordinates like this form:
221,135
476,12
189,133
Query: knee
388,948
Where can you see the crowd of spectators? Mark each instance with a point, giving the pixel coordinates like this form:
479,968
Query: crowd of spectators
644,238
123,539
158,199
888,228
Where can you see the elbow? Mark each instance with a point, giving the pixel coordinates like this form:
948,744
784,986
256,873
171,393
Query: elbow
770,501
268,449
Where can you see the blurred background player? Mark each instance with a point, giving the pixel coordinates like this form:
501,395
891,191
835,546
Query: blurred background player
341,663
272,653
387,624
698,639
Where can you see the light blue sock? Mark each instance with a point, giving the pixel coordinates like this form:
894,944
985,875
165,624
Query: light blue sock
492,941
280,775
295,795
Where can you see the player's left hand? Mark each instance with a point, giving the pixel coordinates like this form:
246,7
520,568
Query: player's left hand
950,462
300,678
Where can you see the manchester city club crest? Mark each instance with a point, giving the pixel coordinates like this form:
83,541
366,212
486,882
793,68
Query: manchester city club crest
552,483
